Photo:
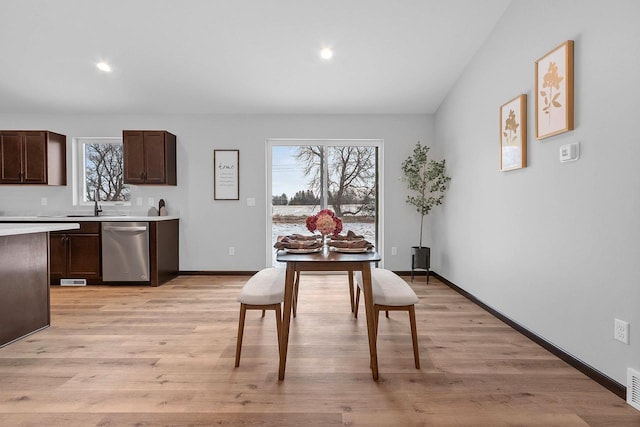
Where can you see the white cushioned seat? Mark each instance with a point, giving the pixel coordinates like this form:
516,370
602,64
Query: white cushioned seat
391,293
264,288
389,288
263,291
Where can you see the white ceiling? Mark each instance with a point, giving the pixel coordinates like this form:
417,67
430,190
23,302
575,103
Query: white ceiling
237,56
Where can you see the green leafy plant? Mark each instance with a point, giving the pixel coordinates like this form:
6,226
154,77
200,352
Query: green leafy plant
427,178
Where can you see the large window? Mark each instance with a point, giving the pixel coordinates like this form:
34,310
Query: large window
100,164
342,175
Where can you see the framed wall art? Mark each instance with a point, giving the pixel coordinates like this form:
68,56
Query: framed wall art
513,134
226,176
554,91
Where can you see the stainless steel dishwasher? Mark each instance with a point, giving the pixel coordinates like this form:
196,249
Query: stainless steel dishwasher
125,251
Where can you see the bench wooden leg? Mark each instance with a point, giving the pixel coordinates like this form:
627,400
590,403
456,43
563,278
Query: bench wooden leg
243,312
357,303
414,335
278,323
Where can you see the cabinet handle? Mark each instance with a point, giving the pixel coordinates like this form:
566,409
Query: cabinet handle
141,175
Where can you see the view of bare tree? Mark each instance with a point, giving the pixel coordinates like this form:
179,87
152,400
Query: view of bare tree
104,171
350,176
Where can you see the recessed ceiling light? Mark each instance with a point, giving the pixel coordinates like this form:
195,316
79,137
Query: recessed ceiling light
103,66
326,53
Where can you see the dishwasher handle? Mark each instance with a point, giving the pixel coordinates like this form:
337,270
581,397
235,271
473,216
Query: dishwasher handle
112,228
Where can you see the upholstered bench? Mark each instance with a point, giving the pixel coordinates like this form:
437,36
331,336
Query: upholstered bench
391,293
263,291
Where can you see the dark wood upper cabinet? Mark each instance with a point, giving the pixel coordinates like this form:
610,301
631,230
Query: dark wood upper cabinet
149,157
33,157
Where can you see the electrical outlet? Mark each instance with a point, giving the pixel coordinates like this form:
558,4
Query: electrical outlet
139,201
232,250
394,250
621,331
43,201
151,201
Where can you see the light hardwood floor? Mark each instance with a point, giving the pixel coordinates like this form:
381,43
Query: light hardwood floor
140,356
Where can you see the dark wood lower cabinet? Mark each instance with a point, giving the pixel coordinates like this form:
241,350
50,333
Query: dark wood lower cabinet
75,254
163,254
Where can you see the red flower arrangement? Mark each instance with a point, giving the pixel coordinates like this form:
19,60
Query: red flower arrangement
326,222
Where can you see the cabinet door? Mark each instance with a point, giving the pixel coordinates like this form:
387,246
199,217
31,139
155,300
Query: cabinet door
134,163
57,256
10,158
35,158
155,162
84,256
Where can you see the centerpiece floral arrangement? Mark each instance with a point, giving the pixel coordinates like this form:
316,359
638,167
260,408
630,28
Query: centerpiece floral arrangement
325,222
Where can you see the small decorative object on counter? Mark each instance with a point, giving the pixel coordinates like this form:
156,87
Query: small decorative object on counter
153,212
162,208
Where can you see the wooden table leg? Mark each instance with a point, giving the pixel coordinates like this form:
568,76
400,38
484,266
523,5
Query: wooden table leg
371,327
286,317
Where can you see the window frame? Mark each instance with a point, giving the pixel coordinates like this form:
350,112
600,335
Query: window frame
79,169
325,142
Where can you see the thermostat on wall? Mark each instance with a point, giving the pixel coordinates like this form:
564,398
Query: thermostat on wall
570,152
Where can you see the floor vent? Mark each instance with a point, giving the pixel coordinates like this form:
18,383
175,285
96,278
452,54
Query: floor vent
73,282
633,388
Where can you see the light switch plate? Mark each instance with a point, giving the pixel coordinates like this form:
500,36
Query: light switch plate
251,201
570,152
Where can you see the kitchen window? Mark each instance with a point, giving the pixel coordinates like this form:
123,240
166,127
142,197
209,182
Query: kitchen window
99,165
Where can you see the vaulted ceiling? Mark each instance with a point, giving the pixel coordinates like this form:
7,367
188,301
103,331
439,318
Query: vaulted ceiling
237,56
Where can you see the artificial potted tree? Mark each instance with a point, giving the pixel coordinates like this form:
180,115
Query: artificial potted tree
427,180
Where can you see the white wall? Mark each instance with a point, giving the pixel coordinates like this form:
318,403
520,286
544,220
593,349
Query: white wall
552,246
209,227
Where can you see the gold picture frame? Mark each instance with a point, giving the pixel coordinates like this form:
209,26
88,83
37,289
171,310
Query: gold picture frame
554,91
513,134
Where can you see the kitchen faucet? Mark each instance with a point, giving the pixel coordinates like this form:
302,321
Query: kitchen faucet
96,208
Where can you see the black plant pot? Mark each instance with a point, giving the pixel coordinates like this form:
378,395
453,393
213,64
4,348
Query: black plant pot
420,260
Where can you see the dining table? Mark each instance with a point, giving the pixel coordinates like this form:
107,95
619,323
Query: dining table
328,259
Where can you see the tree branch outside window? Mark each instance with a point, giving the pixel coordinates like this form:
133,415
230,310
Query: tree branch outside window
104,171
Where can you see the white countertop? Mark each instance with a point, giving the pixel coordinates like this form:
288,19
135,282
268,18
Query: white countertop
65,218
24,228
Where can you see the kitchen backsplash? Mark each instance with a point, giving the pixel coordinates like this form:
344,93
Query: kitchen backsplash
52,201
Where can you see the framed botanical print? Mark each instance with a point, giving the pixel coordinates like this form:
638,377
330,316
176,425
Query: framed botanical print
554,91
513,134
